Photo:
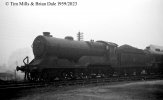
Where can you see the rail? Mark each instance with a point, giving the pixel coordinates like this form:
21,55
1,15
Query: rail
26,85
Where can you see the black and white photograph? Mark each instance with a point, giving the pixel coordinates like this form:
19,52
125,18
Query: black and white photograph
81,49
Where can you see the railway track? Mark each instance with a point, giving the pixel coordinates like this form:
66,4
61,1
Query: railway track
26,85
11,90
22,85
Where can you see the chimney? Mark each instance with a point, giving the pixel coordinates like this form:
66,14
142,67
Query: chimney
47,34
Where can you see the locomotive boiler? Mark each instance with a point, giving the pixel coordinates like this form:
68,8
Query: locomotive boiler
66,59
65,48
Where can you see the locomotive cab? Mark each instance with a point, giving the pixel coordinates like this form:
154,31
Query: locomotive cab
111,52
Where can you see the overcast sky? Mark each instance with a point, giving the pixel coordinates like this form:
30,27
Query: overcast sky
135,22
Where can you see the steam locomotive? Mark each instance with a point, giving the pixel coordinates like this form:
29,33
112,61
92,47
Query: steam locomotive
65,59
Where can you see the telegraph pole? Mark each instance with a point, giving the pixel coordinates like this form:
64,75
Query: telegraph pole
80,36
